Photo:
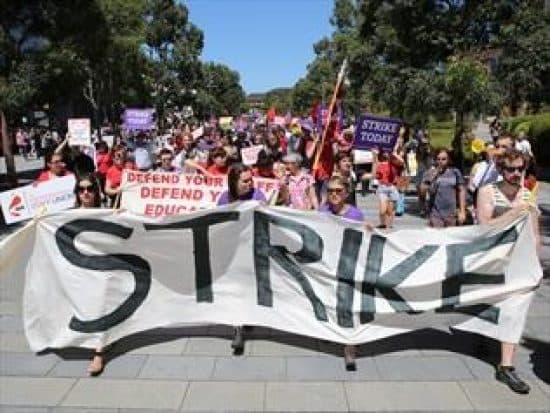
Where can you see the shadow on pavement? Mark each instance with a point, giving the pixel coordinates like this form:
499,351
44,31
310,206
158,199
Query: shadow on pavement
453,341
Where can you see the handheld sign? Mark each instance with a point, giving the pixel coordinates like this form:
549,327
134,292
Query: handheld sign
250,155
23,203
279,120
197,133
361,156
225,122
79,132
376,132
139,119
157,194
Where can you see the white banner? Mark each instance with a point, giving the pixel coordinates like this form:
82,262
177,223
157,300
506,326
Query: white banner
48,196
250,155
158,194
96,276
79,132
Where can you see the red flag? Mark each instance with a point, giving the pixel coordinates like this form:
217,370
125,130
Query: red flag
314,111
271,113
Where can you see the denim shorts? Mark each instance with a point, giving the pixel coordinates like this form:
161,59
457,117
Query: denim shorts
387,192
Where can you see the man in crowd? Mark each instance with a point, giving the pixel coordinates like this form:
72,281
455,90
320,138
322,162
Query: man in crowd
499,202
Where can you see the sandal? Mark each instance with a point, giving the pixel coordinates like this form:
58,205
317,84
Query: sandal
97,364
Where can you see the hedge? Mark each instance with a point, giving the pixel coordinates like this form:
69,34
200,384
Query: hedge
537,128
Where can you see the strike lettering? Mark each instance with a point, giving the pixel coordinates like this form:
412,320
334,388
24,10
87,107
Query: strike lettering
311,251
456,277
201,247
140,268
386,284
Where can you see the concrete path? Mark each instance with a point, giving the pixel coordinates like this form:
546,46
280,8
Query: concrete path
168,370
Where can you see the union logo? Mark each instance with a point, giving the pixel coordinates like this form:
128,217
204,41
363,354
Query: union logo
16,206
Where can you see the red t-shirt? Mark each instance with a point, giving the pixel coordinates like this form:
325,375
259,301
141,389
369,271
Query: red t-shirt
104,162
283,143
385,173
45,176
216,170
114,173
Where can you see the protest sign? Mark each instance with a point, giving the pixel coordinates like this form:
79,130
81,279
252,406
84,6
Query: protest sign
96,276
376,132
24,202
138,119
197,133
158,194
361,156
79,132
225,122
250,155
108,139
279,120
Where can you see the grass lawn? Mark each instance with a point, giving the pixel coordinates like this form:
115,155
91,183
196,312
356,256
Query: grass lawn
441,133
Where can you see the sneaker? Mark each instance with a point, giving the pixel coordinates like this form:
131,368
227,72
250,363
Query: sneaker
508,375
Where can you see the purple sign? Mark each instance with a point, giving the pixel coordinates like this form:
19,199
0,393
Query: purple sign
376,132
138,119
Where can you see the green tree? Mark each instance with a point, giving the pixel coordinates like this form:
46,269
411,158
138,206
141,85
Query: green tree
221,93
523,64
468,89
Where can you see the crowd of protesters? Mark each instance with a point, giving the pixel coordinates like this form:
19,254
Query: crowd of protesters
314,174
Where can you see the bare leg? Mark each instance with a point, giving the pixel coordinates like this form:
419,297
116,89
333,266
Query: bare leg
98,362
349,357
382,209
390,214
507,354
238,341
507,374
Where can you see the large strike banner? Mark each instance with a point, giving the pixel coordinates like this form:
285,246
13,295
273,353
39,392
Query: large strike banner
158,194
95,276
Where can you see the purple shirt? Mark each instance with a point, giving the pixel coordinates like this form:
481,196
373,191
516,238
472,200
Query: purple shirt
254,195
352,212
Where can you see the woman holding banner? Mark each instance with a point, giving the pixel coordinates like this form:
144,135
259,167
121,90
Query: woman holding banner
337,194
88,195
240,188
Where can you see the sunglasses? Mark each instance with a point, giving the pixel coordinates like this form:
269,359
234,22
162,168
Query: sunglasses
512,169
86,188
335,190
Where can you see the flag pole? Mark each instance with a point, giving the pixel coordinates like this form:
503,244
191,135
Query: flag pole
339,81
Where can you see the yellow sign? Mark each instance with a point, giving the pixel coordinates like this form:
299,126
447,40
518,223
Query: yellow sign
477,145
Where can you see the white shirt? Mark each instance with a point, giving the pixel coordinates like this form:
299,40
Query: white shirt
524,146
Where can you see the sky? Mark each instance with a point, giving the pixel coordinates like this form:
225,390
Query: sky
269,42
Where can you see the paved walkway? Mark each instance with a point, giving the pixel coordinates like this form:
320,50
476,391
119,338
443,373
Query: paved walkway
194,370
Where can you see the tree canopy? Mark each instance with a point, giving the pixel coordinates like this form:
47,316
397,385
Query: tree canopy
96,57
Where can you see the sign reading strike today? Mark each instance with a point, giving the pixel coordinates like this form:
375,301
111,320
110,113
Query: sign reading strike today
139,119
376,132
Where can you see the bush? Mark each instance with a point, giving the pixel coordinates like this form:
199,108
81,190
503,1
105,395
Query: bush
522,127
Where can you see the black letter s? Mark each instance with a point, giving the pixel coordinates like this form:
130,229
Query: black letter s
139,267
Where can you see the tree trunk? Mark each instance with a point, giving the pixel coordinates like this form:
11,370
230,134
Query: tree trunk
457,143
8,154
